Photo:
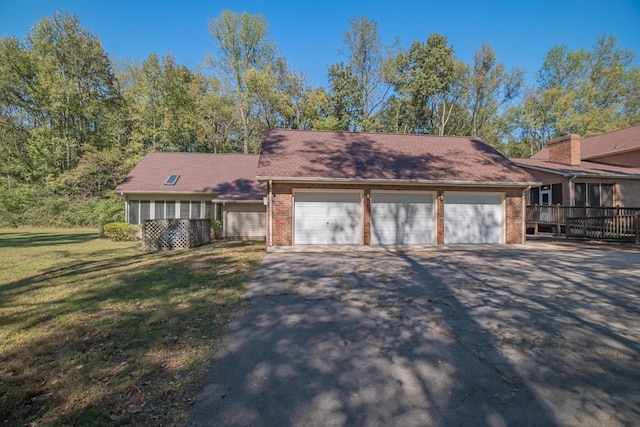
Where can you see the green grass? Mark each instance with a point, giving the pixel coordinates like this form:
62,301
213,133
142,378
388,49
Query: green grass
89,327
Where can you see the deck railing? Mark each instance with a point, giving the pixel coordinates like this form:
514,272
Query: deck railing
620,227
558,216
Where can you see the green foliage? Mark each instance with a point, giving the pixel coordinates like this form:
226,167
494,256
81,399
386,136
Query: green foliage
587,92
119,231
70,130
243,47
31,205
216,229
58,96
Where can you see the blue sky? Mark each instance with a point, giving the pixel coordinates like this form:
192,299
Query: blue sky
309,34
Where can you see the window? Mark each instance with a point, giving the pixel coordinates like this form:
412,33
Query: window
172,180
134,212
606,195
145,210
195,210
159,209
580,196
545,197
171,209
593,194
184,209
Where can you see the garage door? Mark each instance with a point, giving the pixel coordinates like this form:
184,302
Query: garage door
327,218
245,220
473,218
402,219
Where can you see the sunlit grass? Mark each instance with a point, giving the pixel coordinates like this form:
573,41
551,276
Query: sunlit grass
89,327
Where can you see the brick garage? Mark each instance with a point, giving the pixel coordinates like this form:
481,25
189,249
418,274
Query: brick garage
283,212
362,165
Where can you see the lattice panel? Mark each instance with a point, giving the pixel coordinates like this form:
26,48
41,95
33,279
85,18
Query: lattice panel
166,234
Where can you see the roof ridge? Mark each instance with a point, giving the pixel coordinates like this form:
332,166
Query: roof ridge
611,131
375,133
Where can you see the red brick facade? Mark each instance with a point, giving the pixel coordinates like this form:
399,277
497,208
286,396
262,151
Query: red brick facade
565,149
282,208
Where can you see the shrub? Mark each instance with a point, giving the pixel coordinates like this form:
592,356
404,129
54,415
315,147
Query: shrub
119,231
37,206
216,229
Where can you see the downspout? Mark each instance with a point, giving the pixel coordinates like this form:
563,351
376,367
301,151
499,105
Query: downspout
224,220
571,203
524,215
270,202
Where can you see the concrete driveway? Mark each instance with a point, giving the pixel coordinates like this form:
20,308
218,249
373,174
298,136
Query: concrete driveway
529,335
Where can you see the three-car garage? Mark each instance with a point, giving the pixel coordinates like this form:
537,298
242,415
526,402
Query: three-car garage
395,217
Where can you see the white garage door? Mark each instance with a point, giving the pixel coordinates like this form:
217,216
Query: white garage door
473,218
402,219
245,220
327,218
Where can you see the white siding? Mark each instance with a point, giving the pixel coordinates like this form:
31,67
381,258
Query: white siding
245,220
473,217
400,218
327,218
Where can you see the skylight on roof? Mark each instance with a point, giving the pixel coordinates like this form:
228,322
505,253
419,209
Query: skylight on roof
172,180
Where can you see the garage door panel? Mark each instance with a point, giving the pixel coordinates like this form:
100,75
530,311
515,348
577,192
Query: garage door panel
402,219
327,218
473,218
245,220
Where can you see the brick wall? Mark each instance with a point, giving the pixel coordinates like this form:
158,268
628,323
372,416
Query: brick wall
283,208
565,149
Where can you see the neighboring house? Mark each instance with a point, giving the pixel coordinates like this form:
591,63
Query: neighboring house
197,185
386,189
602,170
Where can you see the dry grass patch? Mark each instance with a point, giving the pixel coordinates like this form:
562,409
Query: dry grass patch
94,332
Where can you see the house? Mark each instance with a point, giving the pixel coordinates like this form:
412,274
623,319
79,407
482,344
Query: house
600,171
388,189
197,185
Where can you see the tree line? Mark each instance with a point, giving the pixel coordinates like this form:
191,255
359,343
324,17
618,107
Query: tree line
74,121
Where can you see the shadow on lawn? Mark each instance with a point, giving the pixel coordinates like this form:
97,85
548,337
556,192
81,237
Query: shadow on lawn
133,331
44,238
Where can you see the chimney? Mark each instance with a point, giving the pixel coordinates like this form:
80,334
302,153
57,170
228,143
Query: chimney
565,149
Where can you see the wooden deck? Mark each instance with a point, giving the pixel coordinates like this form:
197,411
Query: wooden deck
601,223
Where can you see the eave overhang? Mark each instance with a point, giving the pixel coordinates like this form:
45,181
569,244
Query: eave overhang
321,180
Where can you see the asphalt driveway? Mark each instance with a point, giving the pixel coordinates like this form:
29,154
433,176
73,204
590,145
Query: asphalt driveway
487,336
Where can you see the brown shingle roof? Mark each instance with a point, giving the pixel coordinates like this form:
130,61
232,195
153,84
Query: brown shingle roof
606,144
316,155
224,176
586,168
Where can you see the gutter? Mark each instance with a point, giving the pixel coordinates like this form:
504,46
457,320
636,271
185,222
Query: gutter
398,181
524,215
190,193
270,203
581,175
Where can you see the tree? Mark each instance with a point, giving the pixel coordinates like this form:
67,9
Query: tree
426,79
584,91
243,47
358,88
217,124
57,97
345,98
490,88
162,106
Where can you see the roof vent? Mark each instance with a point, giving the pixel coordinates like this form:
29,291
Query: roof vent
172,180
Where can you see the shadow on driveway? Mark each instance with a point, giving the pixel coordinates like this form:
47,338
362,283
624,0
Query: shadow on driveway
534,335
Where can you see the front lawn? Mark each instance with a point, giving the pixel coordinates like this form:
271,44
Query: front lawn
94,332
